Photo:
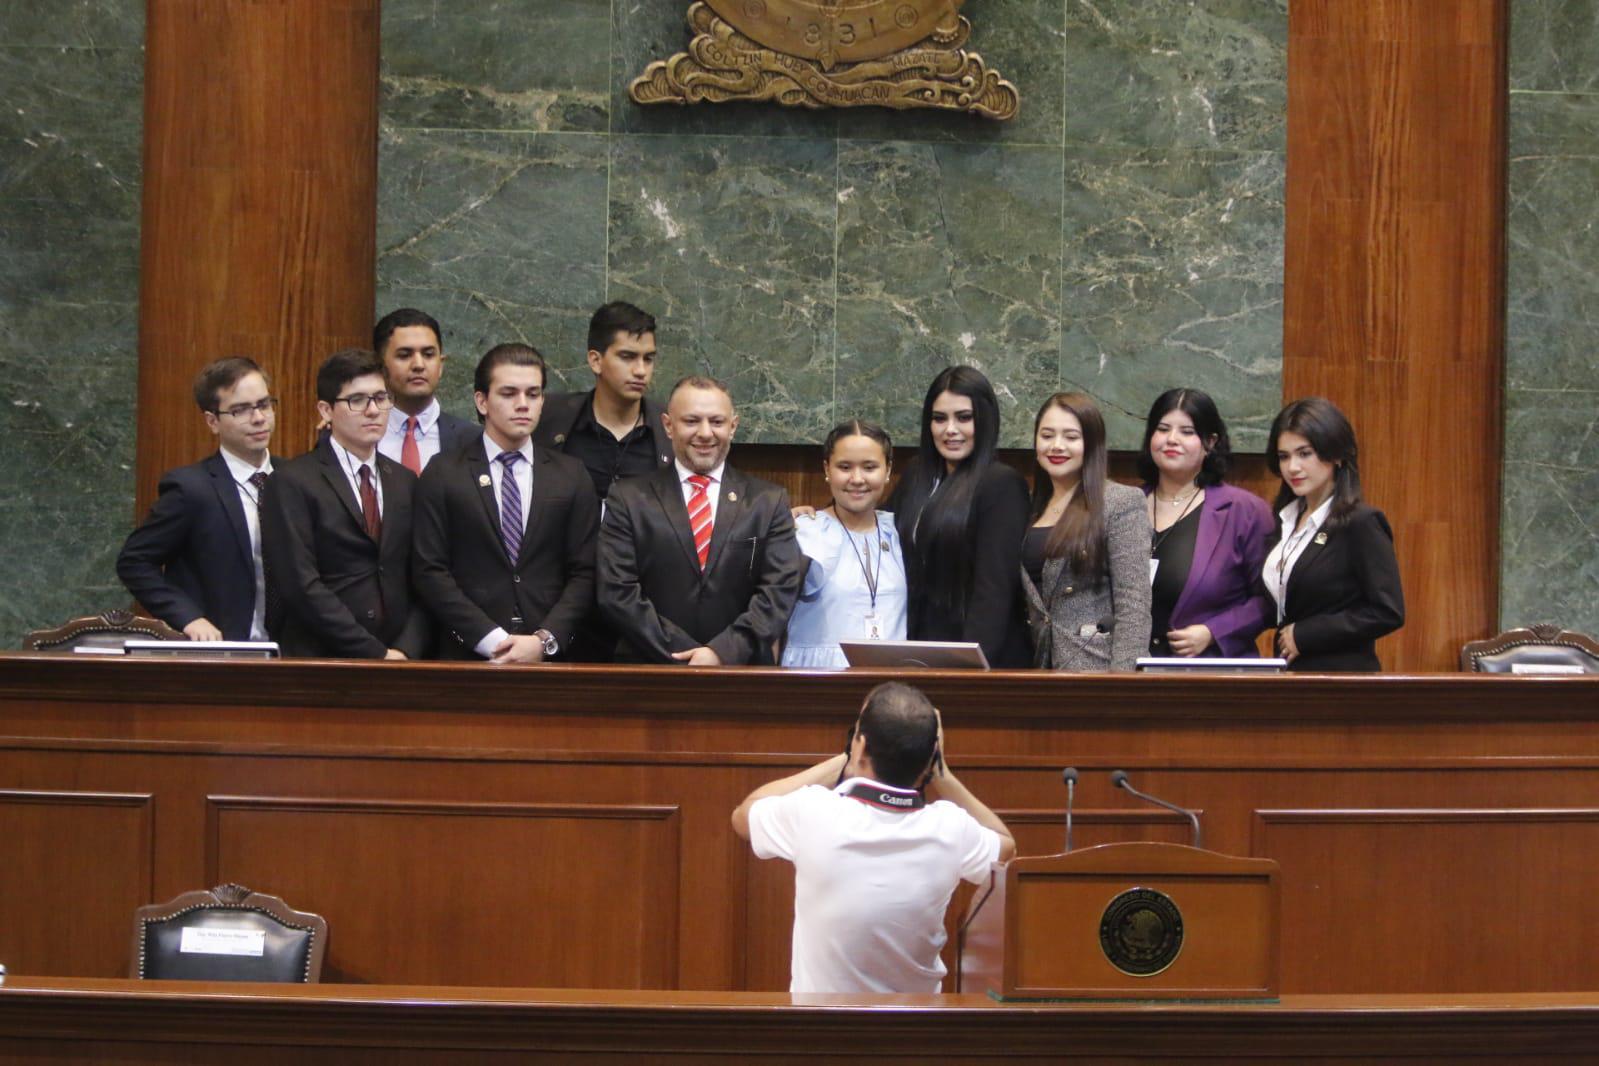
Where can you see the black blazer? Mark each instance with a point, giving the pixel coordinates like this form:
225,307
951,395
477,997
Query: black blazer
651,589
191,556
339,594
1343,594
996,615
561,410
458,560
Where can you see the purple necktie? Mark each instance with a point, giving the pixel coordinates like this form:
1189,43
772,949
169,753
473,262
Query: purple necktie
510,506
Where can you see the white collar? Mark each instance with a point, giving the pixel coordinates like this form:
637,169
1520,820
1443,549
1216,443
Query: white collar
348,460
243,471
494,451
424,421
684,473
1290,515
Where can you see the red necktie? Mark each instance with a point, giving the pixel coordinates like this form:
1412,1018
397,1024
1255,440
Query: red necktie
410,454
369,505
699,516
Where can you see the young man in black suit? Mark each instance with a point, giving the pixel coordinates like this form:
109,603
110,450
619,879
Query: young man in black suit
336,529
195,562
503,550
412,349
614,429
698,563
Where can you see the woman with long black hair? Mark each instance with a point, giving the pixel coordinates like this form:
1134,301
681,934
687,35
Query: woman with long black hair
961,516
1333,572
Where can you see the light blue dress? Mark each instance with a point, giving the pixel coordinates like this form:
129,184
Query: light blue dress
836,598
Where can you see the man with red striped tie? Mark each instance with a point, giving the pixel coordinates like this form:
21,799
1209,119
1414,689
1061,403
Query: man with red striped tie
698,562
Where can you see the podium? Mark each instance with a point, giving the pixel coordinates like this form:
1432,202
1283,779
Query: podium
1139,921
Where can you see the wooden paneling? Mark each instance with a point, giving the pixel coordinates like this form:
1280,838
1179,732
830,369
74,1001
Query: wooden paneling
599,797
1504,877
1394,282
76,866
99,1022
260,205
416,890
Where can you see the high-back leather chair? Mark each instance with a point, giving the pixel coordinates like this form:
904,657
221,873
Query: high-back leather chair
227,933
106,630
1542,645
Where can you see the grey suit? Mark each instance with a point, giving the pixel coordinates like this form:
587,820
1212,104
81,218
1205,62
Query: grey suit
1115,605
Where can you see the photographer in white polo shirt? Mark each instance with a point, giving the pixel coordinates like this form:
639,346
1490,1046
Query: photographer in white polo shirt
879,837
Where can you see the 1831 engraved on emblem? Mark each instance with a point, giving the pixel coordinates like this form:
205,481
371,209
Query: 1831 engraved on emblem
830,53
1141,932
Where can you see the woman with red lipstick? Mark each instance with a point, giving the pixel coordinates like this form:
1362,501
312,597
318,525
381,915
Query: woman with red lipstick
961,516
1206,596
1085,559
1332,573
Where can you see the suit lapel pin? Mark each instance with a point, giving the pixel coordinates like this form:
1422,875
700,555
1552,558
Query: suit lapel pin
484,481
733,496
1321,538
560,438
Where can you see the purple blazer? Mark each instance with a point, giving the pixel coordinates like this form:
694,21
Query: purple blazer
1224,591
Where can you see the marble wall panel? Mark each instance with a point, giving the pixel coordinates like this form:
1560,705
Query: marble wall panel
72,75
1549,550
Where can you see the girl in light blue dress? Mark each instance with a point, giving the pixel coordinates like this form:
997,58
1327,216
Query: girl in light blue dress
855,578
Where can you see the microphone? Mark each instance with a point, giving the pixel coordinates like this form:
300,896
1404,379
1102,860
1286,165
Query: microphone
1118,779
1069,775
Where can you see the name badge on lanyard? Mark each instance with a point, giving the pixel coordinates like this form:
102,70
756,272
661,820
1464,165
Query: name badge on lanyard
872,626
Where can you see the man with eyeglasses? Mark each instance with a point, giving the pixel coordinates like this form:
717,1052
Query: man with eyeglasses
336,529
195,561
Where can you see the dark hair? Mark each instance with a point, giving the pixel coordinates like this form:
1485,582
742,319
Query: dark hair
507,355
343,367
901,731
1321,423
618,316
939,526
857,428
698,381
1201,409
223,374
1079,535
405,316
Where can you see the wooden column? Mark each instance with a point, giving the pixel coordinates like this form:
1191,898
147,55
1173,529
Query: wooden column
1394,276
260,205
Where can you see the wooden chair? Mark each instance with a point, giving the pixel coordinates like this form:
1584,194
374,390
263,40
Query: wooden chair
106,630
227,933
1540,646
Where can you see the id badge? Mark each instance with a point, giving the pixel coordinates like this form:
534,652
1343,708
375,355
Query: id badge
872,626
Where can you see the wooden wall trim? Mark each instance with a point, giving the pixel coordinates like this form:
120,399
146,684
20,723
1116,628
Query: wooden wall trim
1394,283
260,206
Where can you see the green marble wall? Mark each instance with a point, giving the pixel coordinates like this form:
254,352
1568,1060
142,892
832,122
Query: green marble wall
71,76
1124,234
1550,525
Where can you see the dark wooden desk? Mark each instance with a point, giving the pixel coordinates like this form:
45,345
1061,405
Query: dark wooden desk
89,1021
567,827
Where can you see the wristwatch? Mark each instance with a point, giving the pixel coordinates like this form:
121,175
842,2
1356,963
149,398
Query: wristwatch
551,645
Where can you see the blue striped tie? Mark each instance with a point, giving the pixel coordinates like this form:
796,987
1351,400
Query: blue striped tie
510,506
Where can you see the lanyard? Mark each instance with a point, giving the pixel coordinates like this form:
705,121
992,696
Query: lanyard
1292,548
866,562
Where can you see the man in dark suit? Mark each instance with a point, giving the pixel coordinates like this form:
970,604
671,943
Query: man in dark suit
336,529
411,346
503,549
698,563
614,429
195,562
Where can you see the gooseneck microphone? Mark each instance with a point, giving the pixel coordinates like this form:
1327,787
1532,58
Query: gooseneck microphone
1118,779
1069,775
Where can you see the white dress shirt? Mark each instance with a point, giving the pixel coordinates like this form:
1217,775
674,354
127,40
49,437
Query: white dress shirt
713,491
1290,546
352,472
427,433
524,482
250,500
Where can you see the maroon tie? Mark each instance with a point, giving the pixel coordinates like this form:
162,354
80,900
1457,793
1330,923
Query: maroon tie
369,505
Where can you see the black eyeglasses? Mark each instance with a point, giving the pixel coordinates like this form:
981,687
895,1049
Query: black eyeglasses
245,410
357,401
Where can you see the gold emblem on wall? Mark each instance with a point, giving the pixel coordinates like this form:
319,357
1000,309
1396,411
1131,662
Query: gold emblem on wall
830,53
